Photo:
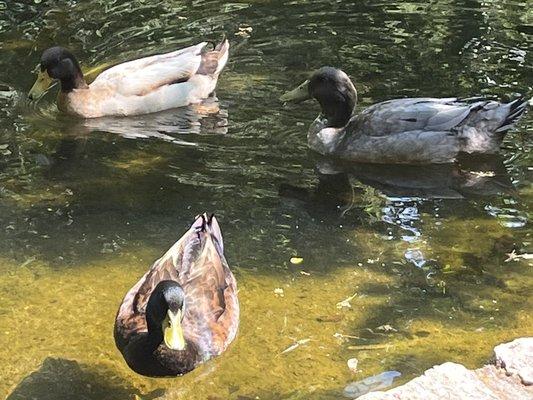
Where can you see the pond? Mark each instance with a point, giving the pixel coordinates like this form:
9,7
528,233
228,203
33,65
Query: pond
403,268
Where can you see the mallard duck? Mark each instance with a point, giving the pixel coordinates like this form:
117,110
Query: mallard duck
184,310
136,87
409,131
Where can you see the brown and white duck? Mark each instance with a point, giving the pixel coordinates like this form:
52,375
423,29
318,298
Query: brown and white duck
141,86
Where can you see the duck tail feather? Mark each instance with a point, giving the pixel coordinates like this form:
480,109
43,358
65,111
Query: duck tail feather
223,42
223,50
472,99
516,110
213,61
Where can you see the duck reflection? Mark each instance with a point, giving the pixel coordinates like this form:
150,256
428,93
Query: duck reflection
206,117
470,177
332,193
337,192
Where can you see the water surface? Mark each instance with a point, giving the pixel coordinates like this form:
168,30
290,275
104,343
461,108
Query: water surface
403,267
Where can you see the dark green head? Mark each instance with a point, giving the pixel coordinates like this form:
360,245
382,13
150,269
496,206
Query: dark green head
58,64
334,91
165,312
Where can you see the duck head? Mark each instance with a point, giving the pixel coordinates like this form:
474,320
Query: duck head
57,64
164,314
333,90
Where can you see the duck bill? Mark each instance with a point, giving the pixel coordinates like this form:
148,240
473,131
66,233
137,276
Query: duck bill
297,95
41,85
173,334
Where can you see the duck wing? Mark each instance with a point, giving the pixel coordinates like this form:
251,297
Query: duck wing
415,114
212,309
139,77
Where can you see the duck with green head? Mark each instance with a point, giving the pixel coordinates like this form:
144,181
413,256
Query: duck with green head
408,131
184,310
141,86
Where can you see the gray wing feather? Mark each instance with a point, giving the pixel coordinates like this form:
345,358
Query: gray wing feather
403,115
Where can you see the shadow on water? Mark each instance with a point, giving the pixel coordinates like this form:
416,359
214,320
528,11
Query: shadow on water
341,186
61,379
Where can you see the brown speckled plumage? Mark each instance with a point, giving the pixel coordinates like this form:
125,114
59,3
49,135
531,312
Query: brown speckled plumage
211,310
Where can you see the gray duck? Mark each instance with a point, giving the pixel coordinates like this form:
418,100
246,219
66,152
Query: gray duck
402,131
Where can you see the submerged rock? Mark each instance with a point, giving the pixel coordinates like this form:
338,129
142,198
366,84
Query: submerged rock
507,379
376,382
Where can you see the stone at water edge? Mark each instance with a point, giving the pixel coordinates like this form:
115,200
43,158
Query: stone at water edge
453,381
517,358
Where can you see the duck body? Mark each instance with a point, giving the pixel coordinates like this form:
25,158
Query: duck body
192,281
416,130
402,131
141,86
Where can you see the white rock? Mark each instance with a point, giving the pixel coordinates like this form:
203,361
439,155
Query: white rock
509,379
516,358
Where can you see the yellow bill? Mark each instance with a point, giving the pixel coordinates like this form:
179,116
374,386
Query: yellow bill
301,93
40,86
173,332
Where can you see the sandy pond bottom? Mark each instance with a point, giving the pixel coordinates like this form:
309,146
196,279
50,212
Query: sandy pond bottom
64,318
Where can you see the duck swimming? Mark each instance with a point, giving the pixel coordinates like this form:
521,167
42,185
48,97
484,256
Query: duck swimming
141,86
408,131
184,310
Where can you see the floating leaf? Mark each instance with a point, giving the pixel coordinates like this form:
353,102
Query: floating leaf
376,382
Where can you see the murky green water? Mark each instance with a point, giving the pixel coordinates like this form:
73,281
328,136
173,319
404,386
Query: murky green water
85,207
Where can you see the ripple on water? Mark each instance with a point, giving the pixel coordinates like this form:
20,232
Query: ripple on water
508,217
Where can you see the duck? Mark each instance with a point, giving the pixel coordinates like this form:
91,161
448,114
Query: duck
184,311
142,86
422,130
